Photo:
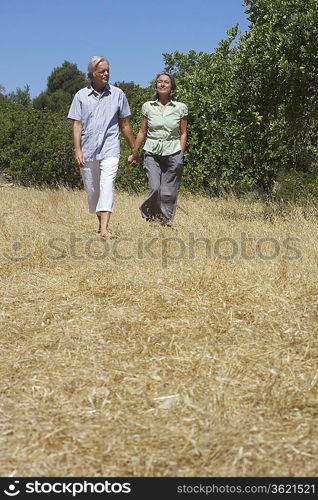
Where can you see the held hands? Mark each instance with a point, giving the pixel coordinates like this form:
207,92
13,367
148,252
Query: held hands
79,158
132,159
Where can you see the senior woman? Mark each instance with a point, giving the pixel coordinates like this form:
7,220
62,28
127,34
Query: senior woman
164,125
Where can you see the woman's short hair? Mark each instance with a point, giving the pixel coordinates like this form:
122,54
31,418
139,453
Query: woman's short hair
173,84
93,62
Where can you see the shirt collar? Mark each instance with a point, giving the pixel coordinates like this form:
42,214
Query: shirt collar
156,103
107,89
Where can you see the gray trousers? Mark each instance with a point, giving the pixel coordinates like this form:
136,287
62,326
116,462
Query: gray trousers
164,177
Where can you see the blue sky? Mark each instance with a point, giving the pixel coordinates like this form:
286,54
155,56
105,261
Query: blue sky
36,36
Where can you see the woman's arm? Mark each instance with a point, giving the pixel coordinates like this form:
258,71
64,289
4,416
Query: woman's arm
139,140
183,132
141,134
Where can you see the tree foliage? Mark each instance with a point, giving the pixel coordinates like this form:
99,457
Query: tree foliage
253,102
35,146
129,178
253,110
20,96
276,71
62,85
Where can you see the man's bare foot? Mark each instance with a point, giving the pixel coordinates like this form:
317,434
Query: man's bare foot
107,235
99,223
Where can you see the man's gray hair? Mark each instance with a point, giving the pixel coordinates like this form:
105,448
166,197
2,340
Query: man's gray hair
92,65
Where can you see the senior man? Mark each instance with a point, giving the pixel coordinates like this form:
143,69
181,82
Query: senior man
98,112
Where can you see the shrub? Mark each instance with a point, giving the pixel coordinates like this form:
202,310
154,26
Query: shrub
36,146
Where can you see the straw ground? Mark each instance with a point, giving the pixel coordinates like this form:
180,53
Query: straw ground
165,352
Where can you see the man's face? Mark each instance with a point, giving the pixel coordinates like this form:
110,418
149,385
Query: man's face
101,75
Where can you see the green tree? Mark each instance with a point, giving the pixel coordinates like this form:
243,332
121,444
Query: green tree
253,103
20,96
204,83
2,97
36,146
62,84
130,178
276,71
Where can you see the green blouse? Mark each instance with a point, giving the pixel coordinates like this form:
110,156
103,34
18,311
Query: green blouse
163,135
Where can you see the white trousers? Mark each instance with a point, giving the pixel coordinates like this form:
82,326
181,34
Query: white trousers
99,182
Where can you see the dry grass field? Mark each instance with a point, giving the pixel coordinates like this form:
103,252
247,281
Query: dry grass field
185,351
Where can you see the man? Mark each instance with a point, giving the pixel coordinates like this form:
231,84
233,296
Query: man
98,112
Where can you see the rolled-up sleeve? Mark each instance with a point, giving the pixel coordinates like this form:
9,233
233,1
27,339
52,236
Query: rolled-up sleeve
75,111
183,110
124,109
144,109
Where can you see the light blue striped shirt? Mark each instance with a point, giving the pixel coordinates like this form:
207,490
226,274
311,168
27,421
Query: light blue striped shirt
99,115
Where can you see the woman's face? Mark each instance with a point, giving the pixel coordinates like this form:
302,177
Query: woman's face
163,85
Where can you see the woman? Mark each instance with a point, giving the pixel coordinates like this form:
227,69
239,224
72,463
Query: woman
164,125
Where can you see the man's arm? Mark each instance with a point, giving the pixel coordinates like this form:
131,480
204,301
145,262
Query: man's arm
139,140
125,129
77,131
